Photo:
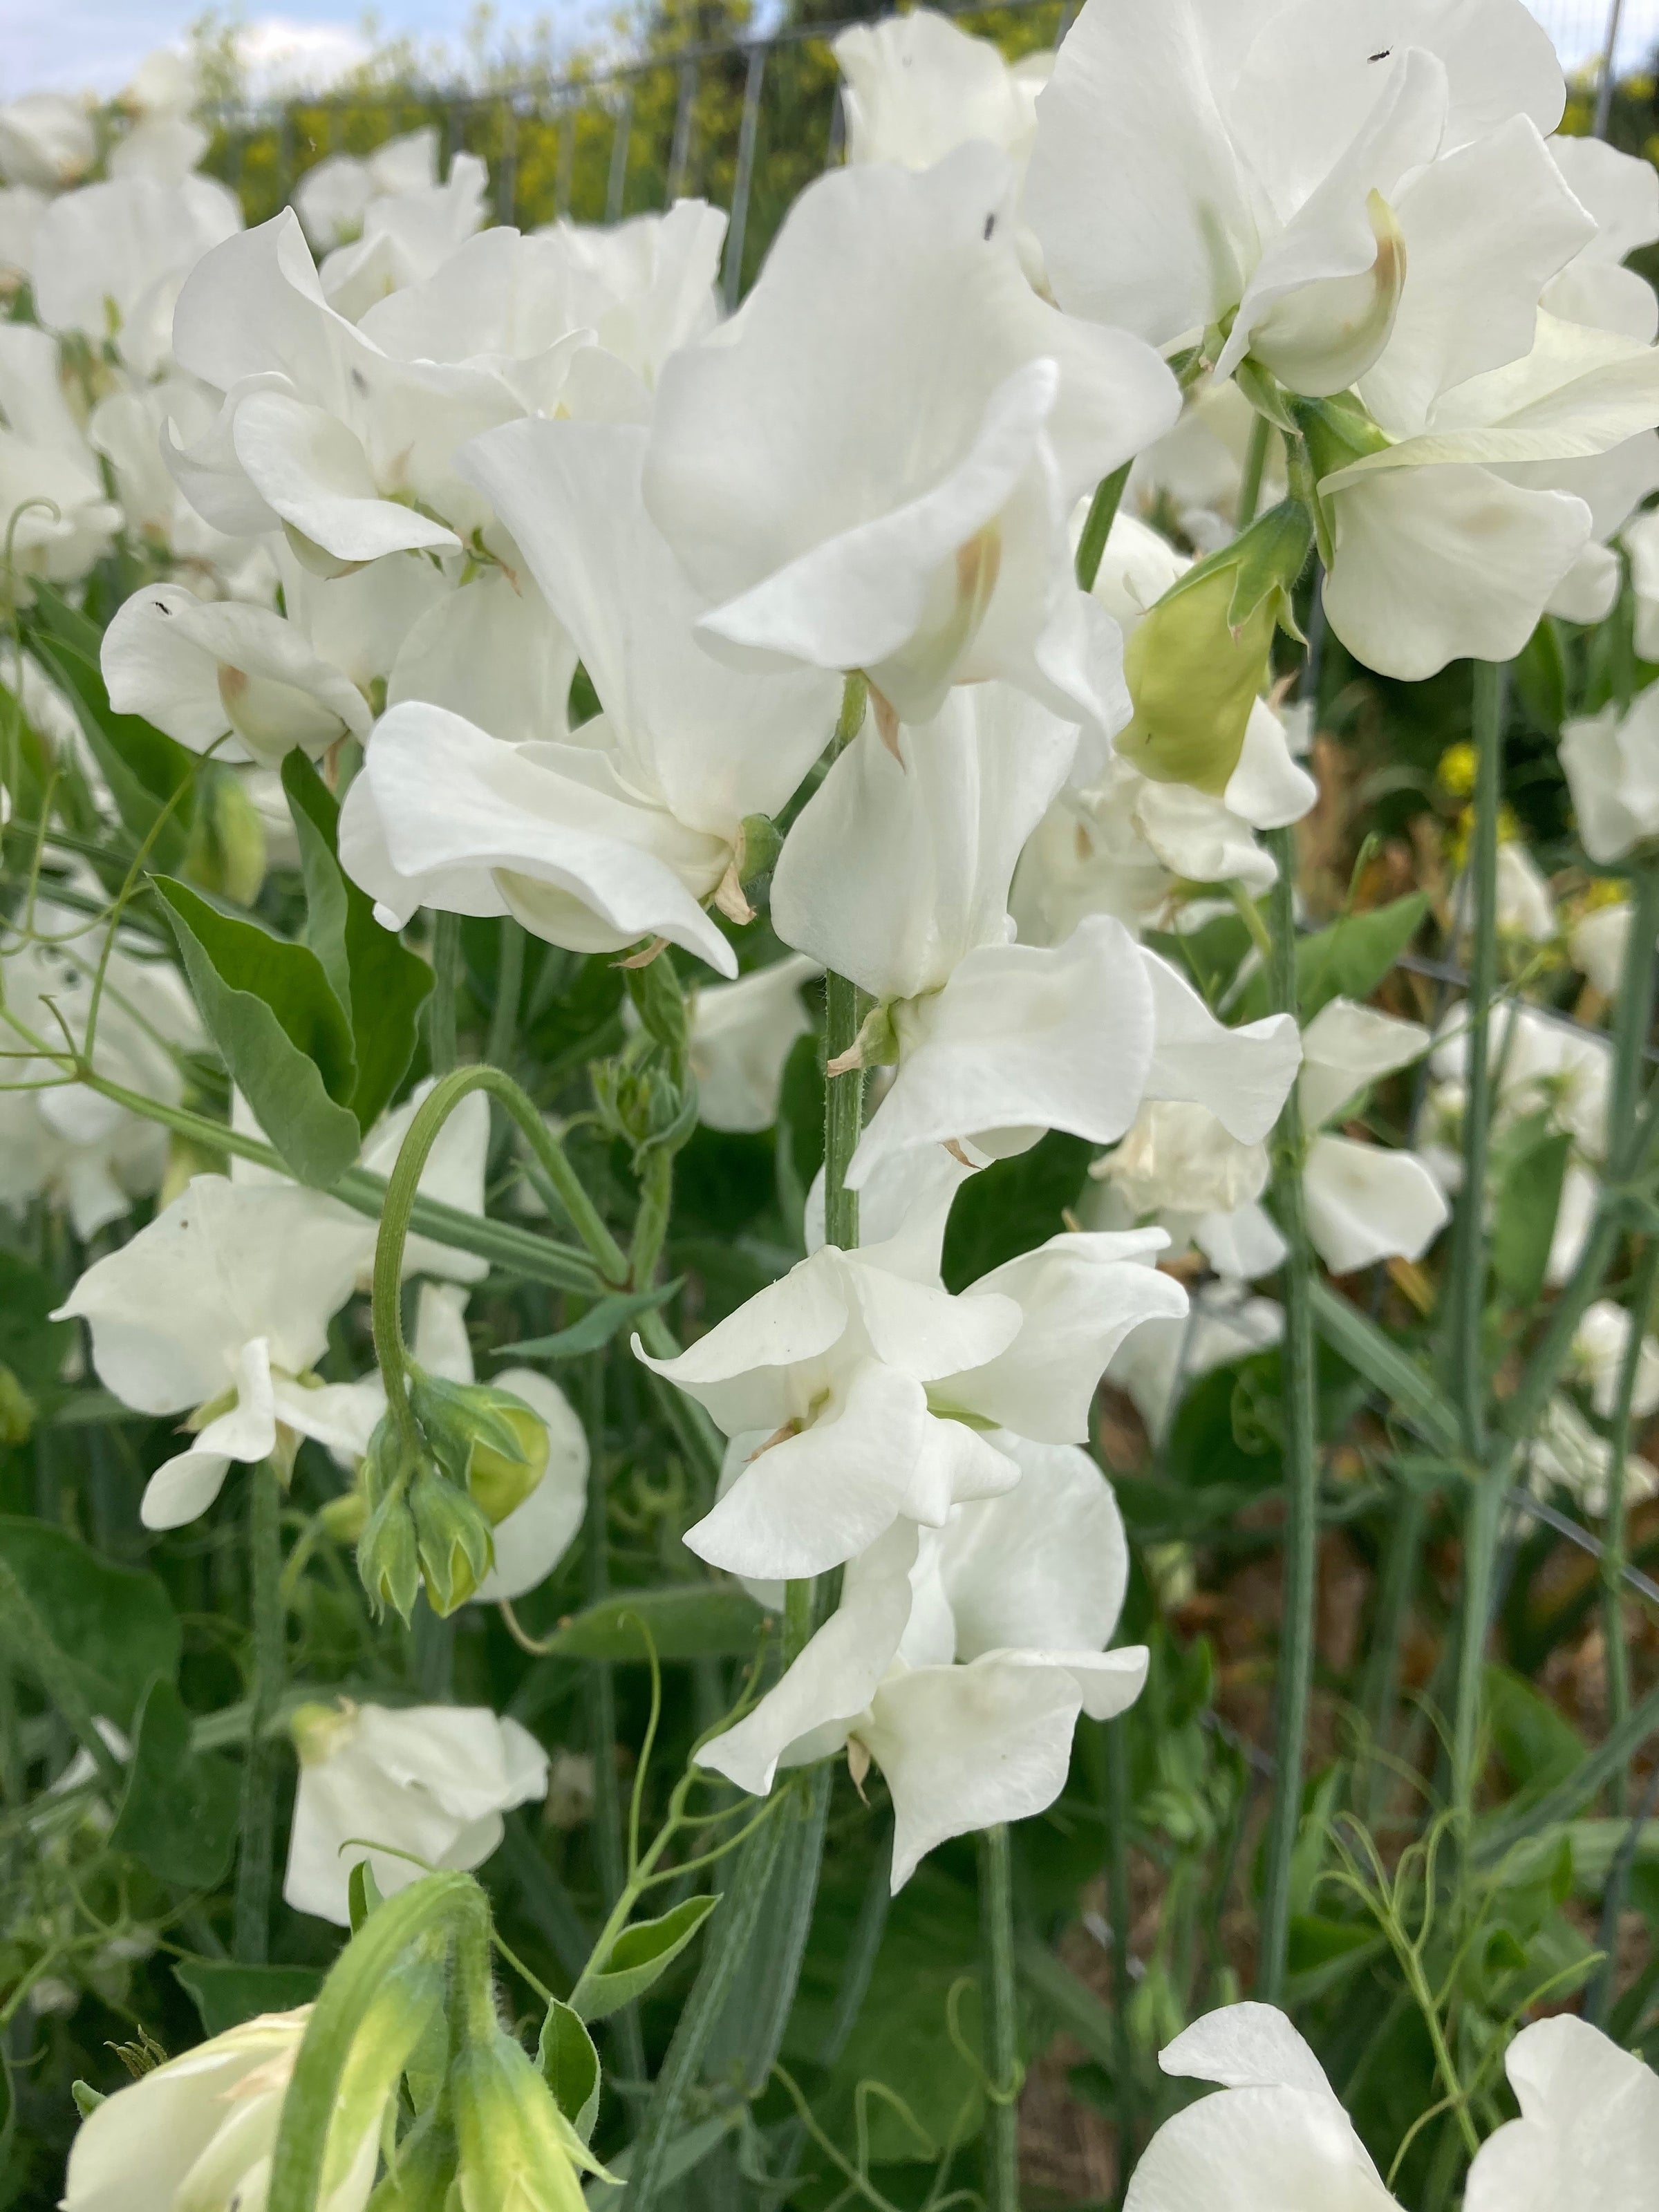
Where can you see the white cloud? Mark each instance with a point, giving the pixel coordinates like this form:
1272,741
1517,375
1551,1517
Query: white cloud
279,52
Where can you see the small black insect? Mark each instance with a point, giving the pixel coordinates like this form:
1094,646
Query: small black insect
1382,57
990,225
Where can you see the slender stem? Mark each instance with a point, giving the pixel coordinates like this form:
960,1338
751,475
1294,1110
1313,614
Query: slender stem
601,1699
446,970
1103,513
1396,1586
509,988
996,1922
1467,1291
651,1223
1119,1902
1301,1463
1250,481
1615,1551
252,1923
1465,1297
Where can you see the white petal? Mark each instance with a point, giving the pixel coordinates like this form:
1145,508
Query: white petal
1046,1566
1347,1046
1080,1296
1589,2130
309,468
1268,789
1258,2150
1246,2046
1243,1076
835,1676
1366,1203
182,1489
814,1500
963,1747
1023,1036
792,1322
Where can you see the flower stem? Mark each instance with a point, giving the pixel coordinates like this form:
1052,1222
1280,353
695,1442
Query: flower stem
996,1921
1466,1287
1119,1903
1301,1463
1250,481
509,988
252,1923
445,971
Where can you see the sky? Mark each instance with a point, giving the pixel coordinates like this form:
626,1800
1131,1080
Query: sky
71,44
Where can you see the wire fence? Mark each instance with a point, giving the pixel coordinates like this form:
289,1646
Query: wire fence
744,123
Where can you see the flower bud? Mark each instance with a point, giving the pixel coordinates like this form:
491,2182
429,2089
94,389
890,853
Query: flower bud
452,1537
484,1438
388,1556
16,1409
518,2152
226,850
345,1518
1197,662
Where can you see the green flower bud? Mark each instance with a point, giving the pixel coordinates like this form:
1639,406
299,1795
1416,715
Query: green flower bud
1200,659
452,1537
660,1004
226,850
518,2152
484,1438
388,1555
345,1518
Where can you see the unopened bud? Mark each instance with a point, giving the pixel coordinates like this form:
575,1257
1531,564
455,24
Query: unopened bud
484,1438
345,1518
455,1546
226,850
388,1556
1197,664
515,2146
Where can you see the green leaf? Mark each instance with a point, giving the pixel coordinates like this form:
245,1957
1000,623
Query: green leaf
381,984
227,1993
1013,1205
178,1817
1346,961
32,1344
1523,1222
597,1326
687,1620
570,2067
639,1955
1539,1747
282,1032
112,1629
1317,1944
143,769
362,1893
1540,670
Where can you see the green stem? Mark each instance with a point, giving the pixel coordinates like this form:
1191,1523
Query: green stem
509,987
1250,481
1097,528
996,1922
1301,1463
445,971
1396,1586
1120,1906
1465,1297
651,1222
1466,1289
252,1922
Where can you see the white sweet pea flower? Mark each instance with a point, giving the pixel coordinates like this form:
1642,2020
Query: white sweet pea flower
46,140
1596,942
93,1156
742,1033
197,2132
536,1535
1364,1202
406,237
1273,2134
623,832
1526,905
916,86
896,872
1600,1345
110,260
1565,1453
1589,2129
959,1662
1178,1166
54,510
1612,766
645,288
21,209
334,195
1260,165
219,1310
867,1390
1620,191
320,433
923,539
433,1781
